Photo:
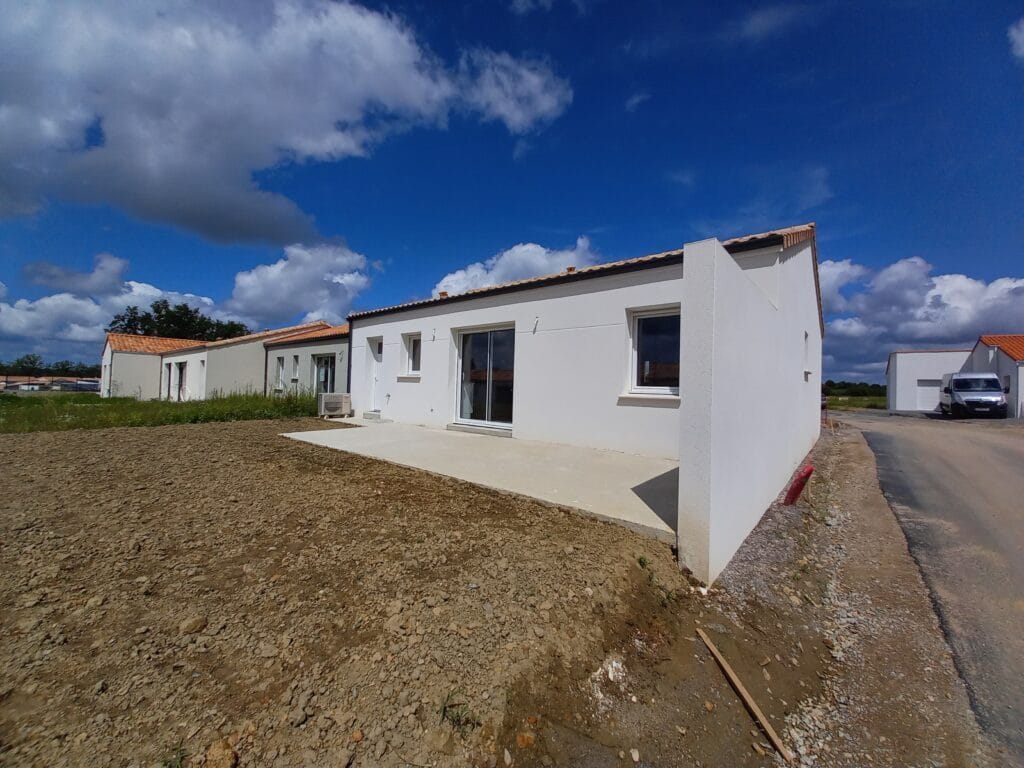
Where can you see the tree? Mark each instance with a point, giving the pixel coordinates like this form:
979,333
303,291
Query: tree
177,322
28,365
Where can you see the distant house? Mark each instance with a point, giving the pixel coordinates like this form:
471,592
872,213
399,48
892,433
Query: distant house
914,376
228,366
709,354
314,361
130,364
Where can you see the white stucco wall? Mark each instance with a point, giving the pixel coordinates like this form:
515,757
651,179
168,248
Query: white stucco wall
911,377
195,375
572,362
306,350
993,360
130,374
753,341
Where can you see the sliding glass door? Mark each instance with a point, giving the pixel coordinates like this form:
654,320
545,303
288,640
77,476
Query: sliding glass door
487,370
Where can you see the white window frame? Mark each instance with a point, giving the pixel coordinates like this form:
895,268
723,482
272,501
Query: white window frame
407,341
295,369
635,316
280,371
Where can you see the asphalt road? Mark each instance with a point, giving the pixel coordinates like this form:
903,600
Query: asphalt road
957,489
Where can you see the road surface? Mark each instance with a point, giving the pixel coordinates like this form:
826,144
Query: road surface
957,489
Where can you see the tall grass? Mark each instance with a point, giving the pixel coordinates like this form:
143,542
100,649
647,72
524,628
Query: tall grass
88,411
841,402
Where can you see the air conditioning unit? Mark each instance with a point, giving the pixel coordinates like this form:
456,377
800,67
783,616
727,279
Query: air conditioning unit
335,404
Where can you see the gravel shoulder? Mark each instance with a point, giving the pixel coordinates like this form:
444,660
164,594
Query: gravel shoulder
263,602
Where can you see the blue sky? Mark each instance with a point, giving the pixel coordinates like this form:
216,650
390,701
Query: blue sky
277,162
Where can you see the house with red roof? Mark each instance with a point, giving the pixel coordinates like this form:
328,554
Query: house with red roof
1003,355
708,354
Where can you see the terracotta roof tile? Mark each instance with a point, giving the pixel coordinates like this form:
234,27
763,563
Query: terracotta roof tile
1011,343
789,236
275,333
329,332
155,345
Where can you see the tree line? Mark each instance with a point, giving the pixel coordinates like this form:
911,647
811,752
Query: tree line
852,389
33,365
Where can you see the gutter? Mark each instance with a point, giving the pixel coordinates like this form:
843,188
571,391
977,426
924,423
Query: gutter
348,374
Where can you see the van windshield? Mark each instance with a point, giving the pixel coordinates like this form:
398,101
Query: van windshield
976,385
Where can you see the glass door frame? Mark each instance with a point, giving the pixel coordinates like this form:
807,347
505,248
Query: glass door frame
458,418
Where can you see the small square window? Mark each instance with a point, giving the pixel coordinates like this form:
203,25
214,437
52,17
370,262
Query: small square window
413,352
655,352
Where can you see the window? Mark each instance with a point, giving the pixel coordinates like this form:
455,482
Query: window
655,364
413,351
280,371
295,367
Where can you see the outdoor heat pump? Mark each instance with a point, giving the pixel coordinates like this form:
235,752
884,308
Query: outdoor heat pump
335,404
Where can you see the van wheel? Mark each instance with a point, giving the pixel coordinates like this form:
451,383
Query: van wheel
957,412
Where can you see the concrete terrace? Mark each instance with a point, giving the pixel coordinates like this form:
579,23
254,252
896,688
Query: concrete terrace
638,492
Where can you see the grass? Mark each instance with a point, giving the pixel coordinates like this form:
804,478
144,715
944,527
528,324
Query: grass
177,759
843,402
458,715
89,411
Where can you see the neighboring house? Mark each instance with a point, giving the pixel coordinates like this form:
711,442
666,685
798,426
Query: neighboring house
1002,354
314,361
913,377
207,369
709,354
131,364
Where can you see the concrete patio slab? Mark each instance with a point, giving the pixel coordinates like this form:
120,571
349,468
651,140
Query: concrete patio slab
636,491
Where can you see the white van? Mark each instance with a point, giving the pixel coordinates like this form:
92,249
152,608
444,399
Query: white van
972,394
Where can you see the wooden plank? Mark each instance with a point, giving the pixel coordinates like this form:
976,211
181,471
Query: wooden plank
748,700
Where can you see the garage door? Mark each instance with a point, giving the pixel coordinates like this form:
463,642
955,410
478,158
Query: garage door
928,394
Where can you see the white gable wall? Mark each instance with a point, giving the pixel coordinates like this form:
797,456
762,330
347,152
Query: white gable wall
130,374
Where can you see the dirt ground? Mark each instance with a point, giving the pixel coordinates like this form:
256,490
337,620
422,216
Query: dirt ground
221,592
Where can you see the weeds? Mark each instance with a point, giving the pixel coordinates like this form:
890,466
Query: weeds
176,760
87,411
642,562
458,715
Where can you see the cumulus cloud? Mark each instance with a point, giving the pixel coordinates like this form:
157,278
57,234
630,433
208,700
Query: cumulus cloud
1016,35
521,93
904,305
319,281
106,278
309,281
517,263
168,114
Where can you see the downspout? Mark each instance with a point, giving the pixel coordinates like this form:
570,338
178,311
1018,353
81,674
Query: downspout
266,361
348,374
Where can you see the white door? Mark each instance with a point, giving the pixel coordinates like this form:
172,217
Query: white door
376,360
928,394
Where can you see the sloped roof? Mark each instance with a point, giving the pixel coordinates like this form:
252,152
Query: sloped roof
275,333
786,236
1011,343
154,345
330,332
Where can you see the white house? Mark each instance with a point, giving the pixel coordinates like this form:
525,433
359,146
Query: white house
709,354
314,361
207,369
913,377
130,364
1002,354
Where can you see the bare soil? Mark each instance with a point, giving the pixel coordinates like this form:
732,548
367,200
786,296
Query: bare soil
259,601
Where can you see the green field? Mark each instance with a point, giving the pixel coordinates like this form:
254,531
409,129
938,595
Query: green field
842,402
58,411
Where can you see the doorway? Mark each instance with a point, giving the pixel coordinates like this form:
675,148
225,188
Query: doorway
323,373
376,347
487,377
181,381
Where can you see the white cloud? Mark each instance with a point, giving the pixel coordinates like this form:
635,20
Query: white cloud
635,100
769,22
319,281
311,281
106,278
169,113
1016,35
517,263
3,291
523,7
521,93
904,305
